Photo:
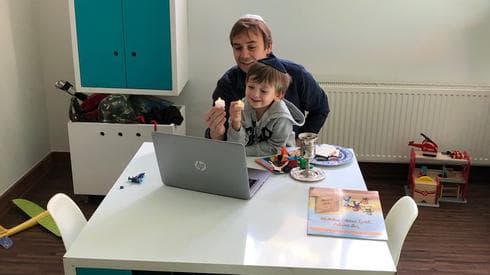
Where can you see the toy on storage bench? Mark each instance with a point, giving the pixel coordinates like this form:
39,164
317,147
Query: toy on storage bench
446,175
428,147
426,191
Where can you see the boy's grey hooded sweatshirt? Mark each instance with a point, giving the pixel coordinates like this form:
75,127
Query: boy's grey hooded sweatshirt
274,130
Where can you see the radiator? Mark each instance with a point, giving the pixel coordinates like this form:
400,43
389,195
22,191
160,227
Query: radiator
378,120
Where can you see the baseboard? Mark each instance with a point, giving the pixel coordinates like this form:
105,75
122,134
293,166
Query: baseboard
19,188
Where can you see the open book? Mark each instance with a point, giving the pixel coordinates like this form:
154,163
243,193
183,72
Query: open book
345,213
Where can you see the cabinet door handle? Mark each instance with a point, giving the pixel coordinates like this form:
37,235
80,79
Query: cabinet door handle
116,53
133,53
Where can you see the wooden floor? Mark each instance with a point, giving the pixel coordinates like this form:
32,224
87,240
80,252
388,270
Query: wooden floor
451,239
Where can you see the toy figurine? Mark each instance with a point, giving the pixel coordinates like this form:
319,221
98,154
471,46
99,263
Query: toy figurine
444,172
137,179
424,170
455,154
281,158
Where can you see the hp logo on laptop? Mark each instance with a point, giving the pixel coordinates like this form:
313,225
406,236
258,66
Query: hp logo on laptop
200,165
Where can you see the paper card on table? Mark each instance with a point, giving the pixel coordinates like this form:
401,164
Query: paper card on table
345,213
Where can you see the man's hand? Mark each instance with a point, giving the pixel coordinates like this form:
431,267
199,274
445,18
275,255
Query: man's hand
236,108
215,120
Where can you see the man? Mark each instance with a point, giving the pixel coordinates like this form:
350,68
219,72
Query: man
251,40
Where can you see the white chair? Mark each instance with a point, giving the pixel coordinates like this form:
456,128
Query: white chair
68,217
398,222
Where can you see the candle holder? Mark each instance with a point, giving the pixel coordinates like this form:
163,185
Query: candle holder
308,174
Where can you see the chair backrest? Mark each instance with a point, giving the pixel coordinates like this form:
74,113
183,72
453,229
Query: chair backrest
398,222
68,217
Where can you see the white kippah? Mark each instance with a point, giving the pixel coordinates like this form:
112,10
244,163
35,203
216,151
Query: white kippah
253,16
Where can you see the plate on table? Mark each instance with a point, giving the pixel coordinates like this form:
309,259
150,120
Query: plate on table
344,156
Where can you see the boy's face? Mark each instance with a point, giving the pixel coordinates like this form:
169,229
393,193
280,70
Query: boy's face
248,47
261,95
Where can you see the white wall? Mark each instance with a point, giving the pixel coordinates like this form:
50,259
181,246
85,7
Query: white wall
24,135
419,41
57,64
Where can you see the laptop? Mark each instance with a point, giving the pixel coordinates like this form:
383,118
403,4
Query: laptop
206,165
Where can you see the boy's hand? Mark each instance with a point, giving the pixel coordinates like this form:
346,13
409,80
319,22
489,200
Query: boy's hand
236,108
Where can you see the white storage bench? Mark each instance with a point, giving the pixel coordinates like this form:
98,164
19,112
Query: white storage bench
99,152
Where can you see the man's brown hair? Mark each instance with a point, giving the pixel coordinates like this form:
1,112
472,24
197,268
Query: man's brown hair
256,26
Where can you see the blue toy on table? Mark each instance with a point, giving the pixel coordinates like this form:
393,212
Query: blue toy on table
137,179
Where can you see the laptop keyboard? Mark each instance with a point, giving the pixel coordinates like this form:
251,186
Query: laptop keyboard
251,182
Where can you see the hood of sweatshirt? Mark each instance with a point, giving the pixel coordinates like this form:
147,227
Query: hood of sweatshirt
279,109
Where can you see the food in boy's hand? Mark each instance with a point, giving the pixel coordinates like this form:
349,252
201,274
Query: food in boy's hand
240,103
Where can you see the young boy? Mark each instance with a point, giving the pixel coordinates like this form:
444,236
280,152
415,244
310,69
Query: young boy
264,122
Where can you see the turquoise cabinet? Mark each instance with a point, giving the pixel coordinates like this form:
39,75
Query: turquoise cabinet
130,46
147,36
101,48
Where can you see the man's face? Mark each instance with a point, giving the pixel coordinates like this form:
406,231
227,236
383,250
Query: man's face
248,47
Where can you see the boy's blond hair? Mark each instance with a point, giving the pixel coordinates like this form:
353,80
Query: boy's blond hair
260,73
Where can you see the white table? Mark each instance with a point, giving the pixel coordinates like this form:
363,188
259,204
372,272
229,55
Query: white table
150,226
